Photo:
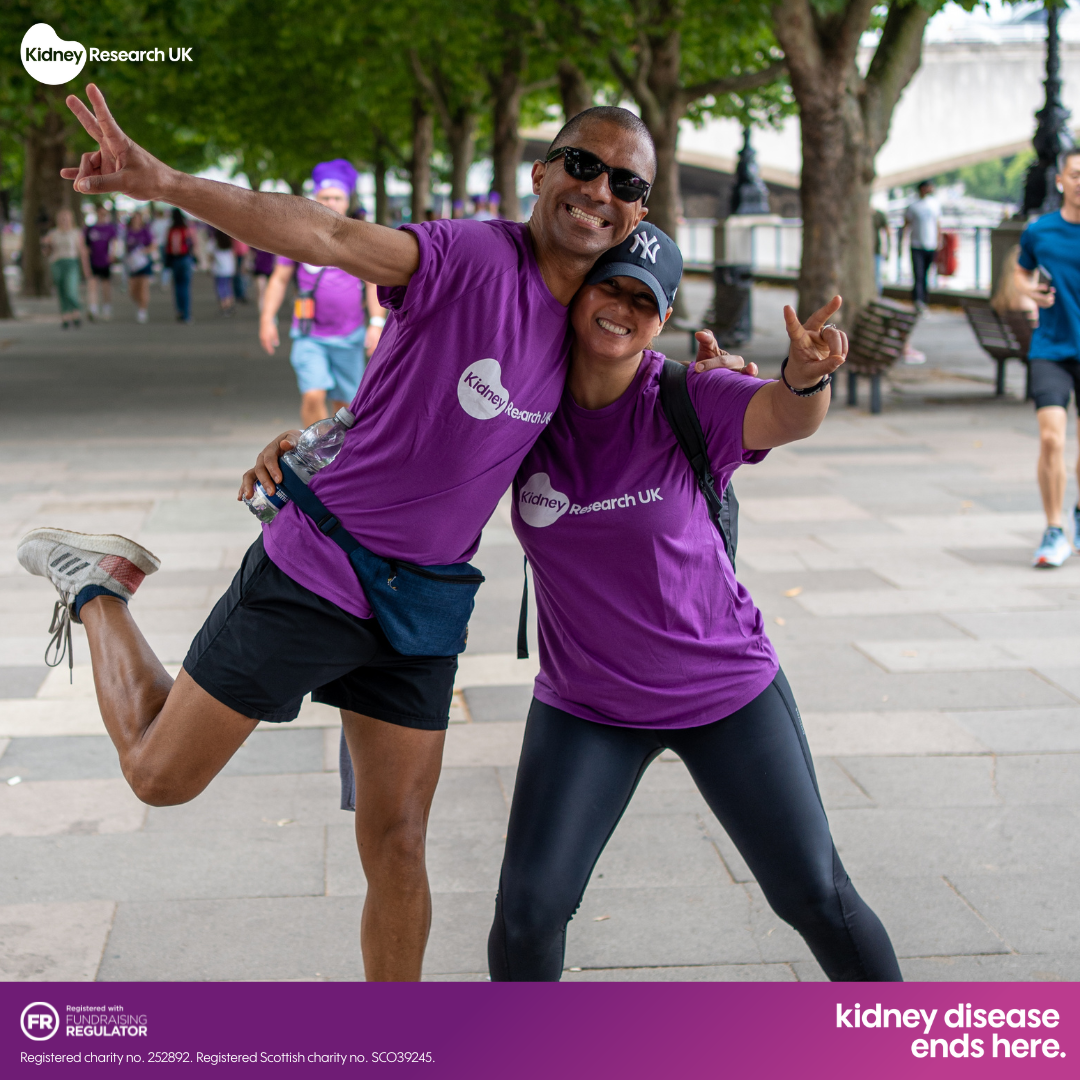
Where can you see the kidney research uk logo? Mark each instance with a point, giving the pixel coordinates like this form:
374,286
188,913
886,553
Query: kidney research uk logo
49,59
39,1021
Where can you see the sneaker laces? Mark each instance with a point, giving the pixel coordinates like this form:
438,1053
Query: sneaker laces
60,643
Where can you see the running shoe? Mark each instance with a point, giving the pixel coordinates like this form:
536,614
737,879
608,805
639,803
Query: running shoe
1054,549
73,562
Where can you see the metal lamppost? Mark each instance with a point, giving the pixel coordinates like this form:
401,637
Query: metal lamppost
1052,135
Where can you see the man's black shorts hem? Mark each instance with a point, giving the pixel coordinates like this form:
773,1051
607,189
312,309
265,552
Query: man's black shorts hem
270,641
103,272
1054,381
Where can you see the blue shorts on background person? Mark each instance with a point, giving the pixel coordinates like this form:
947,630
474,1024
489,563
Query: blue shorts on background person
333,364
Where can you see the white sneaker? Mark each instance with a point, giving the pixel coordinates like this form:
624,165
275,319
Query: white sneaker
1054,549
72,561
141,315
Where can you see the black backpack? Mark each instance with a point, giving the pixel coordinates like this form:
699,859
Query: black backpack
683,418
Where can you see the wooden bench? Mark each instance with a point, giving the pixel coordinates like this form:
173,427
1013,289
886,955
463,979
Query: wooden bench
1004,336
881,332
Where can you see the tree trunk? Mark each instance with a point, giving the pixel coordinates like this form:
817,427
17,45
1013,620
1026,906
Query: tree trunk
382,203
574,90
844,119
5,301
506,91
423,144
44,192
462,139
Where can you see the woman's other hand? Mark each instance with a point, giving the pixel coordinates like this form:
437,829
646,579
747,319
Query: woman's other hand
710,355
267,471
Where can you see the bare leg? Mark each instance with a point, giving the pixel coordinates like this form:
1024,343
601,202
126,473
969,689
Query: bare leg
172,738
397,770
1052,461
312,407
334,405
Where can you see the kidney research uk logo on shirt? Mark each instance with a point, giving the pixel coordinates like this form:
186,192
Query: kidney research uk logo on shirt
482,395
540,505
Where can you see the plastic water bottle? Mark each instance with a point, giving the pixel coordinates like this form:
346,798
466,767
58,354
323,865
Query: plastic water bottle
317,446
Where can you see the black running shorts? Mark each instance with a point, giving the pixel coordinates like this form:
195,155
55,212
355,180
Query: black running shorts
270,641
1052,381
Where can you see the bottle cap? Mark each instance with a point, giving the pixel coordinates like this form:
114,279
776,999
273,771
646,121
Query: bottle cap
344,417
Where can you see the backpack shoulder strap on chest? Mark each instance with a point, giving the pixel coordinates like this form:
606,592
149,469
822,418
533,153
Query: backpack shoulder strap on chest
683,418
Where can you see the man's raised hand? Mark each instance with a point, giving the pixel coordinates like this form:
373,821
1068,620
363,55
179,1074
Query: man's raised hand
817,347
118,164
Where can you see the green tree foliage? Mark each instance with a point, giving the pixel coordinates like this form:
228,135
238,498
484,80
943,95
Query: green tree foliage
1001,180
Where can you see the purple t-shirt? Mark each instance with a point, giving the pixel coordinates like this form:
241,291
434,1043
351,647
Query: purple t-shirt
469,369
642,621
339,298
264,261
139,238
98,239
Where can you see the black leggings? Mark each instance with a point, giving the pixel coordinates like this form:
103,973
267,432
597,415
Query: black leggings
574,781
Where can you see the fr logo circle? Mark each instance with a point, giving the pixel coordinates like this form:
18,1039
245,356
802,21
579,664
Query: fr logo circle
39,1021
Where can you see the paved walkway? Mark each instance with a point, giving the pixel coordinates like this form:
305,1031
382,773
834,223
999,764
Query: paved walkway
939,678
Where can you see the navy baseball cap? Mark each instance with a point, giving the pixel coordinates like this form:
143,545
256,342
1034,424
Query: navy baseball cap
650,256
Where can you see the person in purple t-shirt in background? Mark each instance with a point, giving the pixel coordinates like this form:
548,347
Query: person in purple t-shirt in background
469,370
330,341
262,266
139,263
99,236
648,641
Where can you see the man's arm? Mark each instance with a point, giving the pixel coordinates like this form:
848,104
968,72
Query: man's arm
775,415
375,312
286,224
1027,281
272,298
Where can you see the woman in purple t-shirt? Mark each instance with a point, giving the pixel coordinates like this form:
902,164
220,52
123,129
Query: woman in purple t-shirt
648,641
139,262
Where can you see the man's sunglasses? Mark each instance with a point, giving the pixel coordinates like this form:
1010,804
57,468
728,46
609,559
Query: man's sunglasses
581,165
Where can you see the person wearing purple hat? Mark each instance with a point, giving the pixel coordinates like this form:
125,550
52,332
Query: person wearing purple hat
330,341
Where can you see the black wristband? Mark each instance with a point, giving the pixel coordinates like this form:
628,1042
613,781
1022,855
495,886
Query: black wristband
809,391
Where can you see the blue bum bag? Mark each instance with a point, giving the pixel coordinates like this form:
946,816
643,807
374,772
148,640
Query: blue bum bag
423,610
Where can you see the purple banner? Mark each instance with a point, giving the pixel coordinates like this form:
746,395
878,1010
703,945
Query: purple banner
622,1030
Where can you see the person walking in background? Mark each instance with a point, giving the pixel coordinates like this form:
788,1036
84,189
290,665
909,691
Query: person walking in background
99,236
262,268
179,245
224,267
922,217
159,227
240,250
68,256
139,262
881,248
1048,273
330,341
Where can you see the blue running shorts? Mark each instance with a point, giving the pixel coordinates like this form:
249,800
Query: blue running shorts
331,364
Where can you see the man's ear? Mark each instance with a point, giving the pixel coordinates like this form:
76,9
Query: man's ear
538,170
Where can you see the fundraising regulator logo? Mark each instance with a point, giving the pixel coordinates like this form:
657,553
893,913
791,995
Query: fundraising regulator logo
49,59
39,1021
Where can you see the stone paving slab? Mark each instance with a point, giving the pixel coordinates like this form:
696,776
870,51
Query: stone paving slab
53,942
69,808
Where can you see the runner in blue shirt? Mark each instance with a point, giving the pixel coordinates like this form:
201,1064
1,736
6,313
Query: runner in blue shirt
1049,272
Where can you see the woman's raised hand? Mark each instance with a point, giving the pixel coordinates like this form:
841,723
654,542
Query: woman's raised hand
817,347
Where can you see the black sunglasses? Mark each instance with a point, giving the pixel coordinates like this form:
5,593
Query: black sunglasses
582,165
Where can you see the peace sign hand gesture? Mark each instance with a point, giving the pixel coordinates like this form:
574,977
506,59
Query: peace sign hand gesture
119,164
817,347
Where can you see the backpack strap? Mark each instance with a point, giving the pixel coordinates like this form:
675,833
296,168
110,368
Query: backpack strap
683,418
523,617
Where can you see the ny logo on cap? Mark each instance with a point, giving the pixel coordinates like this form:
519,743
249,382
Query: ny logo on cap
649,245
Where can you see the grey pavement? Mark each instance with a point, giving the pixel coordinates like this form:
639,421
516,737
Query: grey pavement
939,678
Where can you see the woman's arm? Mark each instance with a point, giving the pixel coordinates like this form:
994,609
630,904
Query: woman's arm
375,312
775,414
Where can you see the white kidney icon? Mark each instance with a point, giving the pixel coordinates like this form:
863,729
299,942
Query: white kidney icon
480,389
47,58
539,504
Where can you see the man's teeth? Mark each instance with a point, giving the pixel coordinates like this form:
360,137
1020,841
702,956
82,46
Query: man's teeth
582,216
613,328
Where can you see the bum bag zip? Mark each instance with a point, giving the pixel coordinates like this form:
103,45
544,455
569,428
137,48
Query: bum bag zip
424,610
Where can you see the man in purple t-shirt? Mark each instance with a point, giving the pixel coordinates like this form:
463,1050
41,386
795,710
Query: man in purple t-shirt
470,368
99,240
330,343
